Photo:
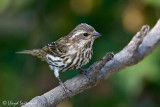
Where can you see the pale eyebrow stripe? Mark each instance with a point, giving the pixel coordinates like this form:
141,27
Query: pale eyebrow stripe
78,32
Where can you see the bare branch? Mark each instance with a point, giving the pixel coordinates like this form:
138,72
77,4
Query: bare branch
142,44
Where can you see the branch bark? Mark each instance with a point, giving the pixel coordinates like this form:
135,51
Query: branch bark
142,44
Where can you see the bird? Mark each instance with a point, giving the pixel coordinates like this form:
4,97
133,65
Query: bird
69,52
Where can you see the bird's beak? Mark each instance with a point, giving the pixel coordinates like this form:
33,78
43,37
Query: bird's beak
96,35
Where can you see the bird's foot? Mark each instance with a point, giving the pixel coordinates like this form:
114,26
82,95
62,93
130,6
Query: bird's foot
83,71
65,89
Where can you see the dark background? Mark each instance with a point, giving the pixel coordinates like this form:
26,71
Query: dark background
28,24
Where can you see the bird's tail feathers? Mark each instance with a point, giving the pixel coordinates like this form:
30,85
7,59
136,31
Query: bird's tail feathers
35,52
26,52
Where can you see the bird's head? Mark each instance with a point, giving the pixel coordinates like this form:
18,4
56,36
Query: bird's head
84,33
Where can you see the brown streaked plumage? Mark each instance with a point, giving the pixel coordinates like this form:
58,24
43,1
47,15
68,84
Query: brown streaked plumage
69,52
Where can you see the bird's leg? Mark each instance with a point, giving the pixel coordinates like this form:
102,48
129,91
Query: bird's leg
65,89
56,73
83,71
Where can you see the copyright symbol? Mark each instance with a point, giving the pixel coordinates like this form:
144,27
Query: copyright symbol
4,102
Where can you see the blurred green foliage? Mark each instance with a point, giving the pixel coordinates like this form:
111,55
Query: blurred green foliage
28,24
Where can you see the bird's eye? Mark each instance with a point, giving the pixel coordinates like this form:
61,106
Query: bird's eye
85,34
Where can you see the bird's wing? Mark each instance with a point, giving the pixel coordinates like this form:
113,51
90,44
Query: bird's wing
57,48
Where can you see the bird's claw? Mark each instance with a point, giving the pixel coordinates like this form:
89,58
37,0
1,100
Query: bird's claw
83,71
65,89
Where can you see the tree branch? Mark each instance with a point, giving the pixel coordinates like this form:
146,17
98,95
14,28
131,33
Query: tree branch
142,44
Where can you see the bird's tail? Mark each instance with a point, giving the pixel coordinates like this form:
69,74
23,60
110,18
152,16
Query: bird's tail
35,52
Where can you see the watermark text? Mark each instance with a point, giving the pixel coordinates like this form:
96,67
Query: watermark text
14,103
